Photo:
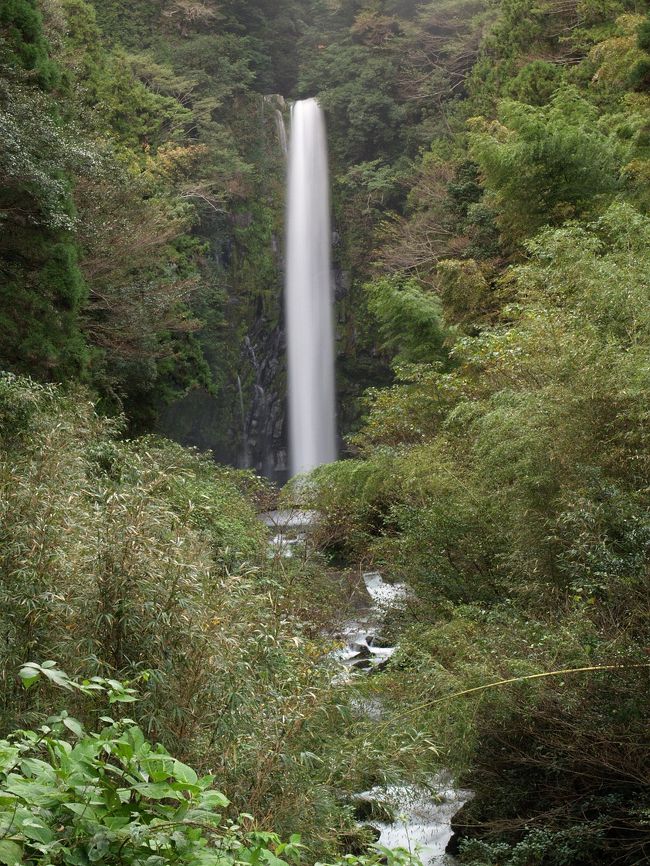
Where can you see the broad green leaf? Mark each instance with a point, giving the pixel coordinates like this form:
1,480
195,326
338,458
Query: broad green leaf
33,793
206,781
214,800
36,829
135,738
29,675
158,767
110,796
116,823
6,800
10,853
156,790
59,679
8,755
210,858
76,857
183,773
269,857
121,698
38,769
74,726
31,671
83,810
99,846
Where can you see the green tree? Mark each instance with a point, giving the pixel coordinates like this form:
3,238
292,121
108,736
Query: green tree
21,29
545,164
42,288
409,320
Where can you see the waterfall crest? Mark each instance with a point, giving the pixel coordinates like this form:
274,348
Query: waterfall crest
309,295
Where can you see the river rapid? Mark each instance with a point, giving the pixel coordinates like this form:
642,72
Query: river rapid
423,815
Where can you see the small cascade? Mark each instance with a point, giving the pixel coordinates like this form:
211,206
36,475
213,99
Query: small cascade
309,295
245,456
423,813
423,817
282,132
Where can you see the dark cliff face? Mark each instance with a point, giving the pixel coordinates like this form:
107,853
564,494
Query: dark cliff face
243,422
263,423
243,426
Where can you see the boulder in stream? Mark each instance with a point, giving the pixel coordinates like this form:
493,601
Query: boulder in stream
376,641
460,823
361,650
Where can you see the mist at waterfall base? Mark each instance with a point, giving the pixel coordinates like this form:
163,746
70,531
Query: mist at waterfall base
309,295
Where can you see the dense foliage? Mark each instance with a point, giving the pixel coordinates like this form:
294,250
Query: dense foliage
491,177
133,155
504,474
114,797
142,562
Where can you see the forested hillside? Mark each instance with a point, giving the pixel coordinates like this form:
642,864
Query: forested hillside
504,474
491,191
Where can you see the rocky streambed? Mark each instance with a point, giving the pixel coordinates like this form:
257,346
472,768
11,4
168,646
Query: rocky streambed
422,814
423,817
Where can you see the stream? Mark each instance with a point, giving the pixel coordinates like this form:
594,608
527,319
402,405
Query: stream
423,815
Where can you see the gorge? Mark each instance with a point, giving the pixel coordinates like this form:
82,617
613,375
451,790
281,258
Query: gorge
481,439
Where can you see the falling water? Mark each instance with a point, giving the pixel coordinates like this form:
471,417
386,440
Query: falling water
310,330
282,132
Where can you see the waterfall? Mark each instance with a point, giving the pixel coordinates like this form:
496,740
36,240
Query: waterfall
245,456
308,295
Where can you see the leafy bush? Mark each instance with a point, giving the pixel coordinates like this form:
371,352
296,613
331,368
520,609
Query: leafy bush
126,560
509,492
546,165
409,320
115,797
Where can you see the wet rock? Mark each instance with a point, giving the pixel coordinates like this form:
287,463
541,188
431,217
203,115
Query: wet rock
374,831
459,825
362,650
378,642
357,841
362,664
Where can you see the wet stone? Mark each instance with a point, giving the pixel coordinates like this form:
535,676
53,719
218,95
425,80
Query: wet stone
372,809
378,642
362,650
376,833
